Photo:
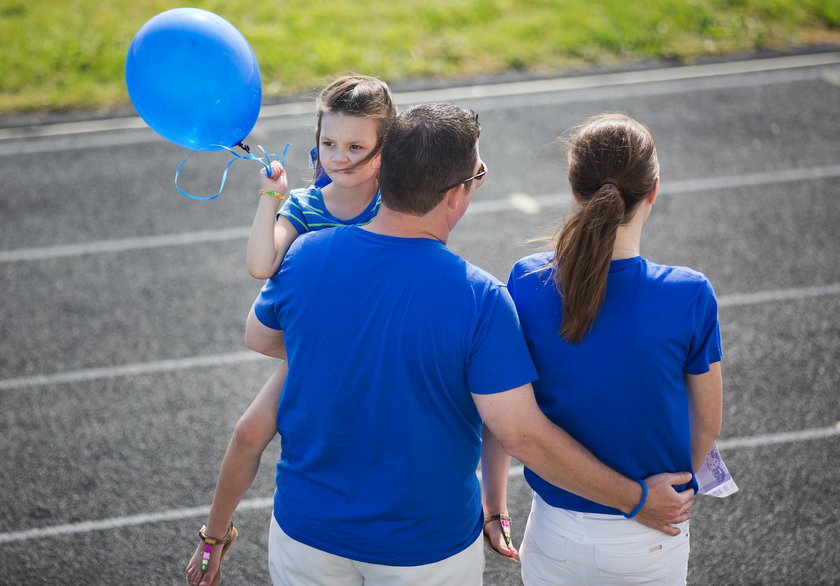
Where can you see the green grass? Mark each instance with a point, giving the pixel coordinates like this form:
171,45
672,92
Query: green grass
71,55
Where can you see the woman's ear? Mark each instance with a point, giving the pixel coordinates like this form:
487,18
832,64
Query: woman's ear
653,192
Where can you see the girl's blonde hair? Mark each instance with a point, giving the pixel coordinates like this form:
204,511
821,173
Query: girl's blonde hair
613,167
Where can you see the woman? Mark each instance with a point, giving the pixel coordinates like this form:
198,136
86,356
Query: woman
628,356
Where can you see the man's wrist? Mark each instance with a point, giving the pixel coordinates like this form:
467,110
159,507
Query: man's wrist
640,503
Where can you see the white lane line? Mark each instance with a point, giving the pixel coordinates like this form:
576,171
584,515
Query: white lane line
528,204
755,441
265,503
641,77
118,522
138,369
123,244
751,179
741,299
768,439
498,90
44,380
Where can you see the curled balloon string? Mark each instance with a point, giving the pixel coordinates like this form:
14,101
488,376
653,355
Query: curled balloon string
265,160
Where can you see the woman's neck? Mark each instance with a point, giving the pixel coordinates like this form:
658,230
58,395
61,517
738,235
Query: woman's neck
627,241
628,237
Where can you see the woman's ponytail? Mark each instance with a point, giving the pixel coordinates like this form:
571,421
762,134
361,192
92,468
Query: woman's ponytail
584,249
612,168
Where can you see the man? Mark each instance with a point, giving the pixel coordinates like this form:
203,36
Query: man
397,350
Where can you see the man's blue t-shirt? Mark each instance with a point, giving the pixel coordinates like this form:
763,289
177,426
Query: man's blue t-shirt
621,391
386,339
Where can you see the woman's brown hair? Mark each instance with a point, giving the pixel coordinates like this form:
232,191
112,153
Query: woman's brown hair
612,168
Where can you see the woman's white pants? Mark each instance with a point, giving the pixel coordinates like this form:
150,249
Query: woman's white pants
567,547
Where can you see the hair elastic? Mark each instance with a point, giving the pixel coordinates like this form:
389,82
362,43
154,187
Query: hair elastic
609,181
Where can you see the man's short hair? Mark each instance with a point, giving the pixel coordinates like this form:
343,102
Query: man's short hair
427,148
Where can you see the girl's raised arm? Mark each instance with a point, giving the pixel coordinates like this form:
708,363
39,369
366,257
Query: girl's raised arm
264,253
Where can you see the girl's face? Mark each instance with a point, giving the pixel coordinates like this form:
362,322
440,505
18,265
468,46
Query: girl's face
345,141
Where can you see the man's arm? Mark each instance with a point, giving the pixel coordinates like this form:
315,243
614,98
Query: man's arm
260,338
528,435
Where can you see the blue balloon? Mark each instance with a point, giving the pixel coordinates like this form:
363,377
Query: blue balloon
194,79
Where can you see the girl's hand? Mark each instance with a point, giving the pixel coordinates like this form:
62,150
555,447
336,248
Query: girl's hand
277,181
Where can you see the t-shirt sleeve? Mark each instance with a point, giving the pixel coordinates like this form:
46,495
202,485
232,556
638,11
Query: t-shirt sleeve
499,360
513,281
292,211
267,304
705,348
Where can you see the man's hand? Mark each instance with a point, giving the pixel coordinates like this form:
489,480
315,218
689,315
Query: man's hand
665,506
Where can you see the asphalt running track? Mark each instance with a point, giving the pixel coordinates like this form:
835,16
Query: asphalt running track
123,370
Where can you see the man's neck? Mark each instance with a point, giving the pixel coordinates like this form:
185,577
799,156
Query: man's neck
400,225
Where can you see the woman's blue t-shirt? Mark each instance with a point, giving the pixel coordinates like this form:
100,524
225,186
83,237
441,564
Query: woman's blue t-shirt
620,391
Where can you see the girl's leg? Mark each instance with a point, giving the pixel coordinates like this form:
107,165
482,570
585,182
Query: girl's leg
252,433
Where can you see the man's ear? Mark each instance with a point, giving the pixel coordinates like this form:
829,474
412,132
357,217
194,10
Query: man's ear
454,196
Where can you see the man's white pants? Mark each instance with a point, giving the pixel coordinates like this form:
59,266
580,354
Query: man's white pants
291,563
567,547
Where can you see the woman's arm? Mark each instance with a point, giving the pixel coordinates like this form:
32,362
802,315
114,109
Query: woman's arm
705,401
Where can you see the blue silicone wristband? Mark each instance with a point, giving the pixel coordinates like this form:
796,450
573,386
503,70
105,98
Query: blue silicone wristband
641,504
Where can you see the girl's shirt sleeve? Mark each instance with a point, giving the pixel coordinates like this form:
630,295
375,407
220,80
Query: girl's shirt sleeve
292,210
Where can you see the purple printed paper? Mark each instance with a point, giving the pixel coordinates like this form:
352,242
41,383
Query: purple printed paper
713,477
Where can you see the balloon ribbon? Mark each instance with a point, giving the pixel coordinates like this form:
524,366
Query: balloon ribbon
265,160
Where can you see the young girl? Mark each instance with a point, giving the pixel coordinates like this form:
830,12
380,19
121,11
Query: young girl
628,357
353,114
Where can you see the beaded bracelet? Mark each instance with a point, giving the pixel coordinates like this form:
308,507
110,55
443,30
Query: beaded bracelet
272,193
642,501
